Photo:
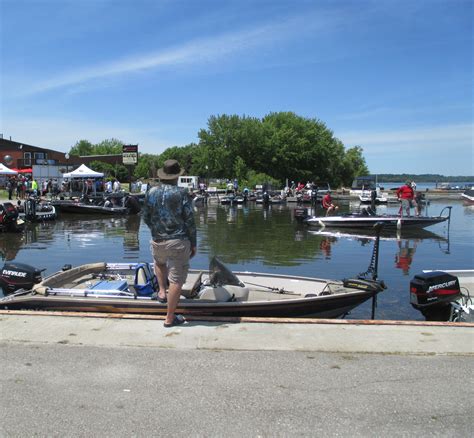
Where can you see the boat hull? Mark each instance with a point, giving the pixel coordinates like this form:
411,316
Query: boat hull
264,295
365,222
319,307
92,209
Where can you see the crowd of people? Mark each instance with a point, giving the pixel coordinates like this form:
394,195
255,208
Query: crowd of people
23,186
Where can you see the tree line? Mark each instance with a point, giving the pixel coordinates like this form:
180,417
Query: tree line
422,178
278,147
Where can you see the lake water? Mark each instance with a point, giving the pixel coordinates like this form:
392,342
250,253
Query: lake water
257,239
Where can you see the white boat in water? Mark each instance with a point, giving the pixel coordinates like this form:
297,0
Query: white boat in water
468,196
369,196
367,219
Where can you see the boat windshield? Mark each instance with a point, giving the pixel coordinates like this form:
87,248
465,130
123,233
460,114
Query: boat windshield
219,274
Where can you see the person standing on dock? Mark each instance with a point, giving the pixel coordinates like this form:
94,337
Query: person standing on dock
405,195
168,212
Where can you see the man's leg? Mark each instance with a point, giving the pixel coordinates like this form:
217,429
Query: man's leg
174,292
161,272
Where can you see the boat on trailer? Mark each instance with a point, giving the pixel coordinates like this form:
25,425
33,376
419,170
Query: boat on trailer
367,219
132,288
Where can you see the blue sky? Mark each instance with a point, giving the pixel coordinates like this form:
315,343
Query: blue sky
394,77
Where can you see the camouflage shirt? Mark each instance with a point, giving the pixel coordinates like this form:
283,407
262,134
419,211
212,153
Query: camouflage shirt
168,211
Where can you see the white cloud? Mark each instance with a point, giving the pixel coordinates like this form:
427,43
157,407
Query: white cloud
198,51
449,137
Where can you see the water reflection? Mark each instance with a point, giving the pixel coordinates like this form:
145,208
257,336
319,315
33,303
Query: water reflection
406,252
407,242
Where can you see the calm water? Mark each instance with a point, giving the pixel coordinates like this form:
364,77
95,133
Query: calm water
258,239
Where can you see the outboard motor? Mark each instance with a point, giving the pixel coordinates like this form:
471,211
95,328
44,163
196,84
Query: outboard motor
432,292
30,208
131,202
8,216
300,213
14,276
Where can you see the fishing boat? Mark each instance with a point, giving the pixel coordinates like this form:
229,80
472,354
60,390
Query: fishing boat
132,287
468,196
35,210
444,295
367,218
110,205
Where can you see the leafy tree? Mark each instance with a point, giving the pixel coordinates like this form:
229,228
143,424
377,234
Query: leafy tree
106,168
82,147
280,146
353,165
105,147
183,154
147,166
108,147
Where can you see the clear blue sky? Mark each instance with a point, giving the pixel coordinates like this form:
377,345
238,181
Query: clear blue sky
395,77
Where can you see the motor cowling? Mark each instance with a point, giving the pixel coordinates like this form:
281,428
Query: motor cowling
300,213
433,289
9,213
14,276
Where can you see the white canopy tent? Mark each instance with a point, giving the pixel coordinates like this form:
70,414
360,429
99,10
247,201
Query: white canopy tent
80,175
4,170
83,172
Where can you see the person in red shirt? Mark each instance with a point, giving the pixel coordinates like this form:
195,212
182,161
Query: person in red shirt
327,203
405,195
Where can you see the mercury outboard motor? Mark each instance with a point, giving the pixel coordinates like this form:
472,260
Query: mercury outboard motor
14,276
432,292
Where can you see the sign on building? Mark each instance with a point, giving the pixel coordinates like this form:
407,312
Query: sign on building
130,154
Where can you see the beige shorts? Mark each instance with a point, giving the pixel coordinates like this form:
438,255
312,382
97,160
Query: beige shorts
174,254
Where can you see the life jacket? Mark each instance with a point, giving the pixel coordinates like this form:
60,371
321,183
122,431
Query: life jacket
145,282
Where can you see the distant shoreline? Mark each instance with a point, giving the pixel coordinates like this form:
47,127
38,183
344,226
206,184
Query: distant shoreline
422,178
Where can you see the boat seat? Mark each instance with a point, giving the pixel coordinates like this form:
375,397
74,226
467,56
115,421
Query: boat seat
224,293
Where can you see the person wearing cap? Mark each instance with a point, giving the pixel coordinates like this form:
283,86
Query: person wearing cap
405,195
168,212
327,203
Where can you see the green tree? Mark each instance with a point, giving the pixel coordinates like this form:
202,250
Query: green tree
82,147
352,165
108,147
147,166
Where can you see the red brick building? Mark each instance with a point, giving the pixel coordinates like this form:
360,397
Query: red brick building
16,155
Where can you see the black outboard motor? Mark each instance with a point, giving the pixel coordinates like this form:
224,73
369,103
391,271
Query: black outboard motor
432,292
131,202
300,213
14,276
8,215
30,208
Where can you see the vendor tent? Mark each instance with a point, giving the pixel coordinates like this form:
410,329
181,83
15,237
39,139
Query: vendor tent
83,172
4,170
28,170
